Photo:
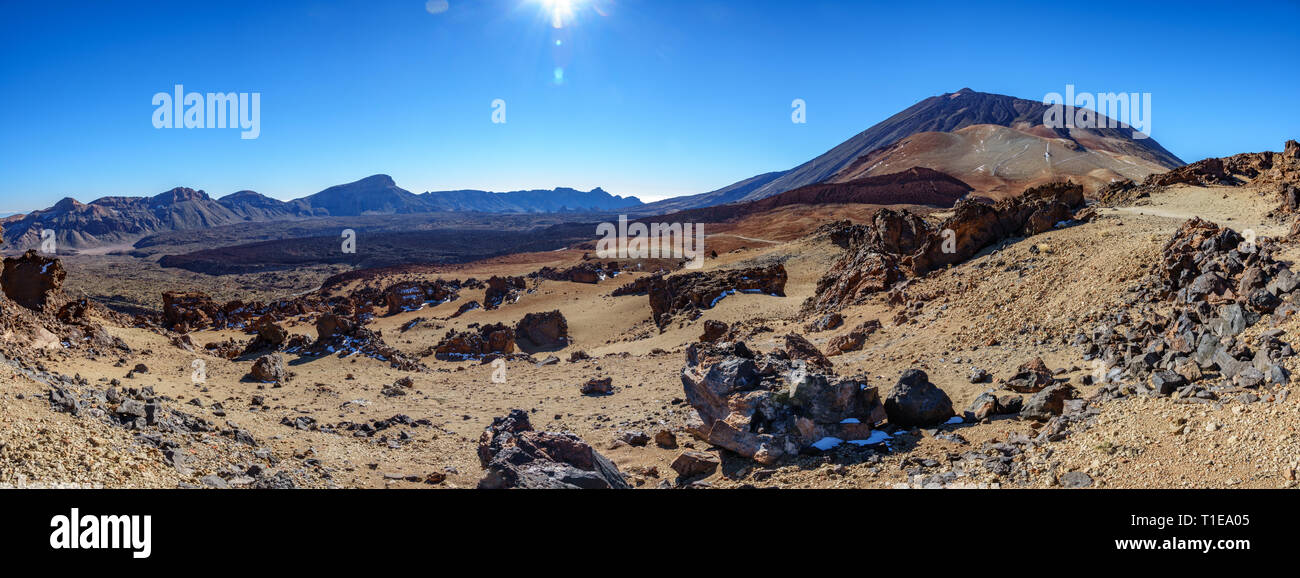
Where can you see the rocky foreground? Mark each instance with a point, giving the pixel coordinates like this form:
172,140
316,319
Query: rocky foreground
1037,341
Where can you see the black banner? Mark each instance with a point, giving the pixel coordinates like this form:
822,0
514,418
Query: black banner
304,529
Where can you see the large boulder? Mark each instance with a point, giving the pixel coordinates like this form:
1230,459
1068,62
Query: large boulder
769,407
915,402
1047,403
269,369
270,336
330,326
516,456
32,280
542,331
799,348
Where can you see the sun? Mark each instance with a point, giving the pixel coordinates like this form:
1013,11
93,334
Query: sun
561,11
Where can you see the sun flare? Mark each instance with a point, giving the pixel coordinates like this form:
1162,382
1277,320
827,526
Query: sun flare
561,11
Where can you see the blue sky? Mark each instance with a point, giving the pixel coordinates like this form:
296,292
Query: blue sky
659,97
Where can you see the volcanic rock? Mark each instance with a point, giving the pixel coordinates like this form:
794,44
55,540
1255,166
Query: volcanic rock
1047,403
1032,376
901,245
475,342
853,340
515,456
767,407
542,331
914,401
713,330
692,463
32,280
690,293
269,369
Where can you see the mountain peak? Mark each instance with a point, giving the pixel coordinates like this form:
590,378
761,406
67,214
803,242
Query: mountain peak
179,195
380,180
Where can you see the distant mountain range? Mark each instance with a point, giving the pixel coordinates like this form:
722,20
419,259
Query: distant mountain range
1018,149
993,144
121,220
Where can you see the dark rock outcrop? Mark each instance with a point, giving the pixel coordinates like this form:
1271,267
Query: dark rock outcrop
516,456
690,293
915,402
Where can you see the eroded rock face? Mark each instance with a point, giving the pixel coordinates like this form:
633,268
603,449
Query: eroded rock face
338,334
475,343
32,280
516,456
540,331
900,245
412,295
768,407
799,348
688,294
1204,172
330,326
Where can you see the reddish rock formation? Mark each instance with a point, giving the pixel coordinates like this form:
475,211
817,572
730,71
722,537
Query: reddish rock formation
330,326
33,280
541,331
269,369
799,348
270,336
714,330
184,311
475,343
899,245
501,290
